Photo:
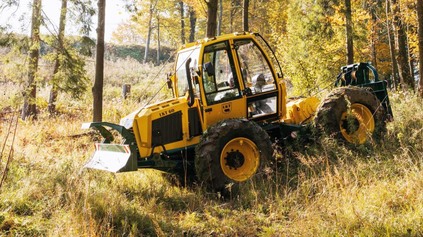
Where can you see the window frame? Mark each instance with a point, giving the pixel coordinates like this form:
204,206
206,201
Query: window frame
214,49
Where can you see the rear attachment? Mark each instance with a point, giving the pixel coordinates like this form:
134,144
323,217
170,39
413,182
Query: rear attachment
358,74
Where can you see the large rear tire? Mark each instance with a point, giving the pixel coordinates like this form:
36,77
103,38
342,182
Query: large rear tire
352,114
231,153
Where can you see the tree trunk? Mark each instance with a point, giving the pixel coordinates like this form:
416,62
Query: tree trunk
245,15
158,40
235,6
374,34
99,65
29,107
410,56
211,18
420,35
401,44
181,9
220,16
147,44
153,4
192,22
349,32
231,17
394,63
60,49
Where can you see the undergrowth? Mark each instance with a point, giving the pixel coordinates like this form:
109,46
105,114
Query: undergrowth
318,188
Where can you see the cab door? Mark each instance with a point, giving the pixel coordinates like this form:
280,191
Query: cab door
221,88
258,79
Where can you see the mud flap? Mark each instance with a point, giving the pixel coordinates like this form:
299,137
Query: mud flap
113,158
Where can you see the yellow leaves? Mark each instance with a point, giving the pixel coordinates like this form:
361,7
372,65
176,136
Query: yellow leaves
360,15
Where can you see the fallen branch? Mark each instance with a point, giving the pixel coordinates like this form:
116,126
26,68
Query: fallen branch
10,155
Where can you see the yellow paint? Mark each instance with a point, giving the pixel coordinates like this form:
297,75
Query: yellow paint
300,111
366,124
240,159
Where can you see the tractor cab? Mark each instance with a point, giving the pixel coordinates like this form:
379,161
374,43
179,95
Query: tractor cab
231,77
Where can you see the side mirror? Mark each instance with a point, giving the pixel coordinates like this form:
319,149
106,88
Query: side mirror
208,67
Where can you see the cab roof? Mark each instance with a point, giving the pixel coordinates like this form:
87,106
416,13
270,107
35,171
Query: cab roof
217,38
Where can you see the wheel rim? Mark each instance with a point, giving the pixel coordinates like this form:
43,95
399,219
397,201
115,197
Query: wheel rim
357,124
240,159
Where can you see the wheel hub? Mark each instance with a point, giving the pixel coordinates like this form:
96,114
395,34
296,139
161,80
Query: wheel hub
234,159
350,124
239,159
358,124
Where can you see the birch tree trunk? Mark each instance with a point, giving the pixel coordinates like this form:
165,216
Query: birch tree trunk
374,34
220,16
158,40
420,35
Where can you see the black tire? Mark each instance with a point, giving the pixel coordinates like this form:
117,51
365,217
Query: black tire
334,115
239,164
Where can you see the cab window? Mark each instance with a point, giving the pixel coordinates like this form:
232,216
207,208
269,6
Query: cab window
256,73
219,77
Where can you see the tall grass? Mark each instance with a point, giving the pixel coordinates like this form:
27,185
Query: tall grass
321,188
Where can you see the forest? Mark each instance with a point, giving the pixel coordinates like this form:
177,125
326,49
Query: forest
52,82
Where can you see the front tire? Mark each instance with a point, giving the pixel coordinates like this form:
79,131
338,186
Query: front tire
230,153
351,114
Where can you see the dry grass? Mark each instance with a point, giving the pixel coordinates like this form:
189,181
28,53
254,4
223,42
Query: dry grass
322,189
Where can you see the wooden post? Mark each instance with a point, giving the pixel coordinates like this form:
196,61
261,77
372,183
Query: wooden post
126,91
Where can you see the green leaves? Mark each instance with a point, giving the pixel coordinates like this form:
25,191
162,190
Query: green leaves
71,76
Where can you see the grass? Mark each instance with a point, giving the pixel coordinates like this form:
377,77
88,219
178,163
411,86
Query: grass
318,189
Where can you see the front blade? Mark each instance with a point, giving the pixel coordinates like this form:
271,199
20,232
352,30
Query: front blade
113,158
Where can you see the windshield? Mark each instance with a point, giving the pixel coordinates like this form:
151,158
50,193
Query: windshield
181,73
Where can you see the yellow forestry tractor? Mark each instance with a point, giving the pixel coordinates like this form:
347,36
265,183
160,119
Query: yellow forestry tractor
229,105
